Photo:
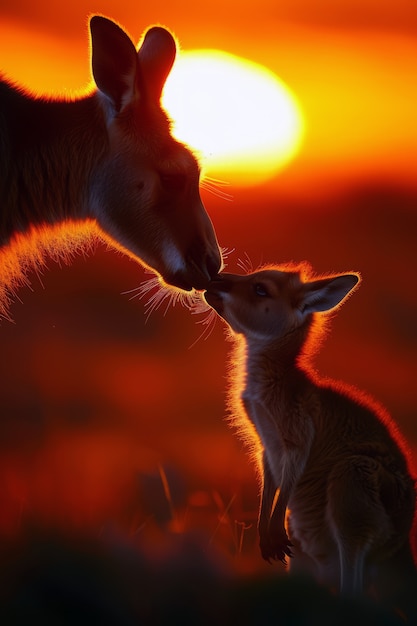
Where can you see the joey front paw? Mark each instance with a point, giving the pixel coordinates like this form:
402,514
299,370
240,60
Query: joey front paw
275,546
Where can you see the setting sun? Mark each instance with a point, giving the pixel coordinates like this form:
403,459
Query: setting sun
242,119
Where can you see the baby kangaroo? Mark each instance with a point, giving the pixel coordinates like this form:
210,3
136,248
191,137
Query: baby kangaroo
335,458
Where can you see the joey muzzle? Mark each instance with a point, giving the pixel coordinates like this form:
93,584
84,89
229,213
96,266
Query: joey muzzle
216,290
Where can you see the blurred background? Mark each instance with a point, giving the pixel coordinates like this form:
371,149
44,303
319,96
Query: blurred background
111,423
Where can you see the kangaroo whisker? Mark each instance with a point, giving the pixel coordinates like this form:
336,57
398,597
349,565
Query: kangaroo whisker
214,185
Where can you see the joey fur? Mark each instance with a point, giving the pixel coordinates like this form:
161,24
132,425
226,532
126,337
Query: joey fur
337,491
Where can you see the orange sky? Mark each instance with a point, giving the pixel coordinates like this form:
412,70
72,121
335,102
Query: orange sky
352,67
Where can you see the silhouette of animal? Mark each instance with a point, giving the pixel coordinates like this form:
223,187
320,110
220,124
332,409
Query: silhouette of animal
334,469
107,161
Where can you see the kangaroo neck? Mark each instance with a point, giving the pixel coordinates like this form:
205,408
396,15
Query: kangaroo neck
273,364
49,149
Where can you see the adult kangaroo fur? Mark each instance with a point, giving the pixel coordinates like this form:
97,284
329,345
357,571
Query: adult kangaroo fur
106,160
335,472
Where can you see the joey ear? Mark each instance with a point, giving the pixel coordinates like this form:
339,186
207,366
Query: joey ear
156,57
327,293
114,61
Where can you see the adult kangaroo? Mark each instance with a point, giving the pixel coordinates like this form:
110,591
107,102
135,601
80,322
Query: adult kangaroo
106,160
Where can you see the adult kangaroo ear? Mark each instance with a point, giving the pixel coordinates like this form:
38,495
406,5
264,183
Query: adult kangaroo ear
156,57
327,293
114,61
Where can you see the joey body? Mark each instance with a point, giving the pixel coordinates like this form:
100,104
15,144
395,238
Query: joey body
346,497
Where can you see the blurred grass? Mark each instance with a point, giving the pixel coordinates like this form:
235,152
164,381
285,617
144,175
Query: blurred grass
174,557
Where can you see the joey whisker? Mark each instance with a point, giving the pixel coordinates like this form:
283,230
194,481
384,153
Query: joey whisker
245,264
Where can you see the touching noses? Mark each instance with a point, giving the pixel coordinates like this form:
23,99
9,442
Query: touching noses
222,283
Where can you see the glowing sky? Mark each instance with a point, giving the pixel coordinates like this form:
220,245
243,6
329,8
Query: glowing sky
351,65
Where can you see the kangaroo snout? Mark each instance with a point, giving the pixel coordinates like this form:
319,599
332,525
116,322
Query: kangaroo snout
195,270
205,255
207,270
213,264
196,276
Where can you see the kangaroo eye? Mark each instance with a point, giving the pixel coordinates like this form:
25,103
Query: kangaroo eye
261,290
174,182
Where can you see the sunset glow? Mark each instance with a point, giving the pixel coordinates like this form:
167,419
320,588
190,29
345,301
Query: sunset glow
121,481
351,112
243,120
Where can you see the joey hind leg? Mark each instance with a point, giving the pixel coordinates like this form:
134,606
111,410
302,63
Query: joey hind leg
356,516
273,539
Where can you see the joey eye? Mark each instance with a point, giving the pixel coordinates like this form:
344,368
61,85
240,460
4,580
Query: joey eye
174,181
261,290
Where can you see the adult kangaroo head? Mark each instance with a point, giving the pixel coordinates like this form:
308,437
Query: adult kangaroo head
107,158
145,192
